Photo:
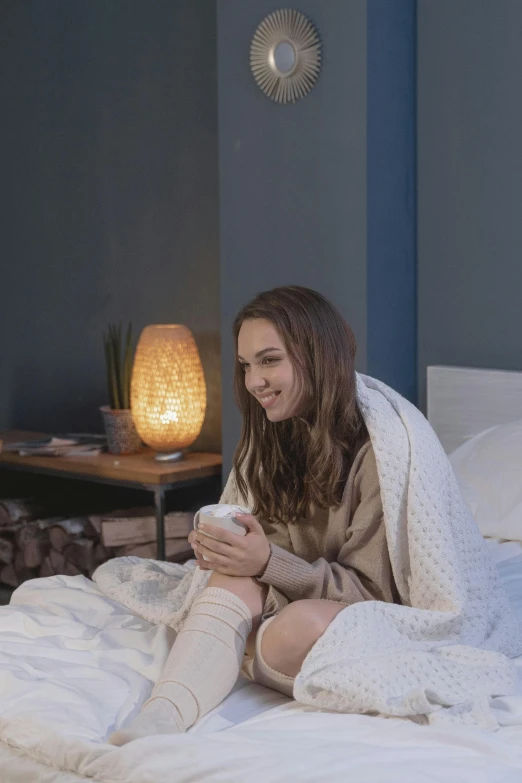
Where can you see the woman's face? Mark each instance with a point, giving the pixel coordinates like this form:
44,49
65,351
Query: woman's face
269,373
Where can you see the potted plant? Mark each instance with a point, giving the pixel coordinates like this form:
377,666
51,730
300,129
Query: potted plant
122,437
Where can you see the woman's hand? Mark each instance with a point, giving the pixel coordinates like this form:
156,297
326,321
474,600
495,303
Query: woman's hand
229,553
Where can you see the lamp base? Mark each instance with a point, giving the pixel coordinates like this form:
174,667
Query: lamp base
174,456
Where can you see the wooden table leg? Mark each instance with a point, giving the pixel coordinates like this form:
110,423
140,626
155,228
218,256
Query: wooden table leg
159,504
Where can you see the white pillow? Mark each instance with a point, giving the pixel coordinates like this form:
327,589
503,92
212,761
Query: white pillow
489,472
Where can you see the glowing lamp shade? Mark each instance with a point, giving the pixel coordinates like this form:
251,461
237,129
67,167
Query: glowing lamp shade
168,392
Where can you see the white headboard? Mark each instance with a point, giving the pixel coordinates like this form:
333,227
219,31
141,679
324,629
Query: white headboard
463,401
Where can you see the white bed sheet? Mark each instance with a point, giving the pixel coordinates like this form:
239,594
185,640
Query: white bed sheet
74,665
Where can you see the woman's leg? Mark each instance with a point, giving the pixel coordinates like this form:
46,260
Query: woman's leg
284,641
205,659
251,592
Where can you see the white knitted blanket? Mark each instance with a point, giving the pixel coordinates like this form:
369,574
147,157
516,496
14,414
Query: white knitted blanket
443,653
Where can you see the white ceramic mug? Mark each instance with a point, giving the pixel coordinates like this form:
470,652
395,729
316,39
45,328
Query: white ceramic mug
221,515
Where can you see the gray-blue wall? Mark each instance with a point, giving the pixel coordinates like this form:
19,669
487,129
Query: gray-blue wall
110,196
299,193
110,144
469,184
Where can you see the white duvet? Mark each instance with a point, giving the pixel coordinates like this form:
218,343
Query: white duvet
442,653
74,665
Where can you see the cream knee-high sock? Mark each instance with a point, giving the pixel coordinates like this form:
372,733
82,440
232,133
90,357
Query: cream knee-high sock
201,669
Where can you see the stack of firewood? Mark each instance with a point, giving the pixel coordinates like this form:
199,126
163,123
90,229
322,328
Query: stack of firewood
133,532
32,546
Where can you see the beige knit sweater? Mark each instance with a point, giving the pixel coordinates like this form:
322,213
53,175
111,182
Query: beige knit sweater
338,553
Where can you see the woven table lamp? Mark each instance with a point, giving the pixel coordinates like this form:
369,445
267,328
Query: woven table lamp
168,392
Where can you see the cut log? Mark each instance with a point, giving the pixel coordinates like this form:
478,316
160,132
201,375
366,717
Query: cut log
22,572
75,526
81,553
120,513
19,563
35,551
13,527
34,543
175,549
57,561
140,530
96,521
70,569
53,564
5,517
101,553
6,551
59,538
89,529
8,576
17,510
46,568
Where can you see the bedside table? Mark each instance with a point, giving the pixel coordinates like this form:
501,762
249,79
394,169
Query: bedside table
137,471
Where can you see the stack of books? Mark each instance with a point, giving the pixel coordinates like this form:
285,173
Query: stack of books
76,444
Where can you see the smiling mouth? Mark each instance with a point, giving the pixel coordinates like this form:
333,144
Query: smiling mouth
269,399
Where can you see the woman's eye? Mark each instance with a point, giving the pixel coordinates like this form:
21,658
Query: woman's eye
244,366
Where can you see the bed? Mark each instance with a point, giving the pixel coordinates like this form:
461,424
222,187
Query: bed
74,665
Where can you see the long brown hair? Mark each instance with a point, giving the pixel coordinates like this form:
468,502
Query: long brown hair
288,464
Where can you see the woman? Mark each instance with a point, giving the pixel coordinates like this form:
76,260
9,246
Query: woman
316,539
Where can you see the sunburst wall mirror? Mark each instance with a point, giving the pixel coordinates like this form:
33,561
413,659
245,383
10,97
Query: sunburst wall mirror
285,55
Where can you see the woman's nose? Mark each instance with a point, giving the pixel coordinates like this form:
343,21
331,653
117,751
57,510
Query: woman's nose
255,381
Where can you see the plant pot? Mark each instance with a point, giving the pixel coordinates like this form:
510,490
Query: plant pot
122,437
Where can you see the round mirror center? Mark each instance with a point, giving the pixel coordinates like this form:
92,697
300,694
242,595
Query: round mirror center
284,57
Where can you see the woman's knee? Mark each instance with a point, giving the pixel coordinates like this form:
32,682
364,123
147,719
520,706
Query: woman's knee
291,635
245,587
307,618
